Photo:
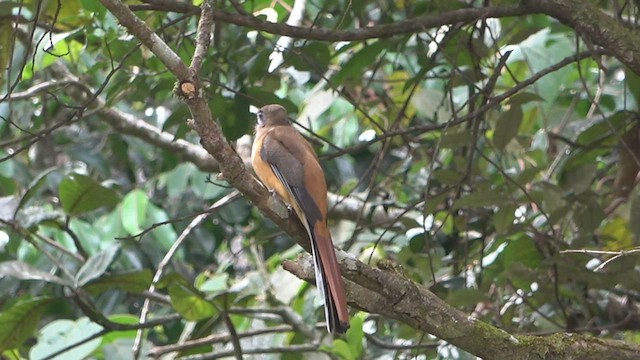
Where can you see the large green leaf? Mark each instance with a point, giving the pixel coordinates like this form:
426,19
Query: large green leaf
80,194
59,334
20,321
134,282
314,56
356,65
507,126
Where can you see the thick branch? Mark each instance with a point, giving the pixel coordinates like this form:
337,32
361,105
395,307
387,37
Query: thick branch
387,292
582,15
410,26
596,26
131,125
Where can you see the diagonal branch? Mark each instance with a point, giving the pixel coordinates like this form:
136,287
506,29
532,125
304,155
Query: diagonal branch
385,291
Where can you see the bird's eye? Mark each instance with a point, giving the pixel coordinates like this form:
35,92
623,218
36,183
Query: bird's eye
260,117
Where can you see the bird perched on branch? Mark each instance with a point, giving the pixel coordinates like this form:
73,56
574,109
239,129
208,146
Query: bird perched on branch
286,163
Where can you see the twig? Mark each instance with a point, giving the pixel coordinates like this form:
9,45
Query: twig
291,349
203,37
213,339
233,335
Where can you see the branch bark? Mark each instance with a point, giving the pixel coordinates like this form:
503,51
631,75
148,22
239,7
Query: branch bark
595,26
385,291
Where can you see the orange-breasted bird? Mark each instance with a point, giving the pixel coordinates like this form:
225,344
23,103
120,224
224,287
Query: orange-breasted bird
286,164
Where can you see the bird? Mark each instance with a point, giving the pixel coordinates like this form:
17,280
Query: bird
288,166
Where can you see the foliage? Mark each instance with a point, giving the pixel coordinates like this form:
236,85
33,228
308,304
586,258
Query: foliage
486,158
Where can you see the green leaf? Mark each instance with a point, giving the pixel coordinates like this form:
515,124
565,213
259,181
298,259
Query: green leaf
355,66
5,10
215,284
480,199
134,211
520,257
633,83
314,56
7,168
507,127
177,179
34,186
80,194
617,235
340,348
165,235
96,265
579,179
93,7
125,319
588,216
523,98
59,334
57,47
456,139
190,303
235,119
600,129
503,218
355,335
24,271
447,176
20,320
133,282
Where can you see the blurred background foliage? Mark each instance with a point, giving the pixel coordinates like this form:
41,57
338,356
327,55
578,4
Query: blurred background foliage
490,147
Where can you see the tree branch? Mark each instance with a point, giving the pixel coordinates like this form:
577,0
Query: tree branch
595,26
385,291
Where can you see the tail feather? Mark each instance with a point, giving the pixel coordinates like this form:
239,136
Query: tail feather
328,279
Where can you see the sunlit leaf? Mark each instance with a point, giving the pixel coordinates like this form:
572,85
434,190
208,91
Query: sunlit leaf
355,335
134,211
59,334
617,235
190,304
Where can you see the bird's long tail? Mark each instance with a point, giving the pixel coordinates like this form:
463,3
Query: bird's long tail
328,278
